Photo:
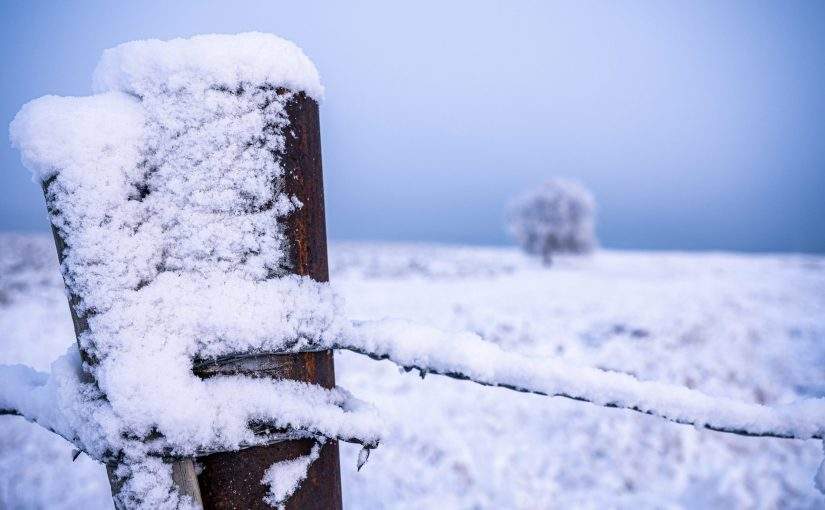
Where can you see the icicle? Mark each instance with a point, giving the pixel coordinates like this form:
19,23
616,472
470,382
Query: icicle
363,457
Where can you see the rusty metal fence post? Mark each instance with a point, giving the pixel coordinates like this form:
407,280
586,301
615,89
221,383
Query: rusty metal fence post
232,480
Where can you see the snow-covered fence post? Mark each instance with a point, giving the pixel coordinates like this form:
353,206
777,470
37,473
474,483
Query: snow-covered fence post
232,479
196,169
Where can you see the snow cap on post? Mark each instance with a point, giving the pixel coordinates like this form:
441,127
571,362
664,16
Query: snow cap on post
150,66
96,137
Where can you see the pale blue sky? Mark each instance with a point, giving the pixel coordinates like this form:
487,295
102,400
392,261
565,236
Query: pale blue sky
697,125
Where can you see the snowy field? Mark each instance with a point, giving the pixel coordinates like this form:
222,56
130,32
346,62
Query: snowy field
748,327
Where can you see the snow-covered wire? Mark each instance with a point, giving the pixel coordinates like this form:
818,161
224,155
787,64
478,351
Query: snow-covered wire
466,356
63,403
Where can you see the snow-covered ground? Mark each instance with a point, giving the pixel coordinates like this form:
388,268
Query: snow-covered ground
748,327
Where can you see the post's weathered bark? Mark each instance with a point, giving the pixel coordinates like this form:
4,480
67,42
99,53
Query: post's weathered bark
232,480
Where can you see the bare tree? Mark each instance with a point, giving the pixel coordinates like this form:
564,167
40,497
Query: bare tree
556,217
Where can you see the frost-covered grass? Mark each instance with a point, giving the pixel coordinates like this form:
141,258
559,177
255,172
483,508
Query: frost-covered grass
745,327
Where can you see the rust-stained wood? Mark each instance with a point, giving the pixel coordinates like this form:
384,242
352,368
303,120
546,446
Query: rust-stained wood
232,480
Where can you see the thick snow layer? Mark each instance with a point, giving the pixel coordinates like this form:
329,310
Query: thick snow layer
95,137
743,327
231,61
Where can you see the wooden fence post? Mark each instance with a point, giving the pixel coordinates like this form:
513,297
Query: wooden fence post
232,480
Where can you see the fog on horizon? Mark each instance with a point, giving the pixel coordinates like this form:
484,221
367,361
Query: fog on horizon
697,126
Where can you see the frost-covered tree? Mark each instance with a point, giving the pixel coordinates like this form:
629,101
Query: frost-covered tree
557,217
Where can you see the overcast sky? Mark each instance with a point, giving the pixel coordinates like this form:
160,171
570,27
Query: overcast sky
697,126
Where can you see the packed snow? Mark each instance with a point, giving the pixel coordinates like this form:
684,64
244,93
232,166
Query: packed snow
742,327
